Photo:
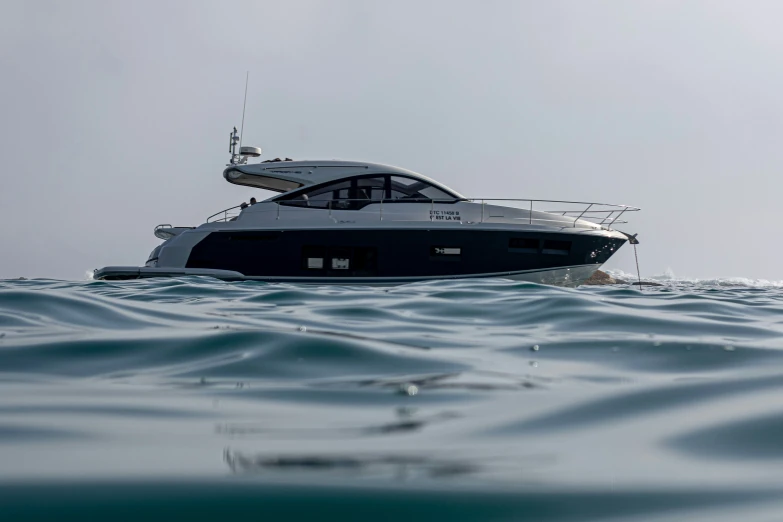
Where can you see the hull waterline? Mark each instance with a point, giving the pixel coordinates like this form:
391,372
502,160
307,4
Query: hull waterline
564,276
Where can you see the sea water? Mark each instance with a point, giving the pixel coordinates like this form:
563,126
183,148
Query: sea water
196,399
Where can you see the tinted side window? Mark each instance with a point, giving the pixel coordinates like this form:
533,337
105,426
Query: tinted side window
372,189
356,193
334,195
408,189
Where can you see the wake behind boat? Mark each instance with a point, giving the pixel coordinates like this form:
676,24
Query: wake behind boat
366,223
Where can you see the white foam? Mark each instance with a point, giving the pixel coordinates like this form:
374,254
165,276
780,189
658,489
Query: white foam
669,277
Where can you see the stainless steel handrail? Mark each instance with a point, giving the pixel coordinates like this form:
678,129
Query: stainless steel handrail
583,214
604,215
224,212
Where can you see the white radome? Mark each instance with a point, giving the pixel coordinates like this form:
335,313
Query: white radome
251,152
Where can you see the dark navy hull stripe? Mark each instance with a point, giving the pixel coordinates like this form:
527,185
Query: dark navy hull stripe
402,255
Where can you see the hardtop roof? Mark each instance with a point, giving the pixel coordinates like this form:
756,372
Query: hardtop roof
284,176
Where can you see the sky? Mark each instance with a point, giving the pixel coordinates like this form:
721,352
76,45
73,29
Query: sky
114,116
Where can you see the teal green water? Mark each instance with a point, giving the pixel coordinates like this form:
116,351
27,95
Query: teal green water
471,400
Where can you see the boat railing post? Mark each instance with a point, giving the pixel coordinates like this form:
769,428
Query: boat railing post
583,213
530,216
482,210
618,216
381,211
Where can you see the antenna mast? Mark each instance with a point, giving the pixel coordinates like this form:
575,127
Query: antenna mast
236,138
244,104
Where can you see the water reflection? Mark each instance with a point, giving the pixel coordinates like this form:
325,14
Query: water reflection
395,466
407,421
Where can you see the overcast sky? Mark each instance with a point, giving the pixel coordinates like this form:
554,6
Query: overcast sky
114,116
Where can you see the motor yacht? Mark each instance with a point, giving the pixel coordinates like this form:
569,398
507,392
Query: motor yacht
354,222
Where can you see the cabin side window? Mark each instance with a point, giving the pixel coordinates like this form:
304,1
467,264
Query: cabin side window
356,193
408,189
371,189
334,196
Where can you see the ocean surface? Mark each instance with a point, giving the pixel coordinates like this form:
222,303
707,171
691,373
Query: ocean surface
196,399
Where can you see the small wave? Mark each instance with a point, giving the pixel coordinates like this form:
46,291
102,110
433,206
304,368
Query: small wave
484,385
669,278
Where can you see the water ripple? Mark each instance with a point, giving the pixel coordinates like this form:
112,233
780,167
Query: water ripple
661,404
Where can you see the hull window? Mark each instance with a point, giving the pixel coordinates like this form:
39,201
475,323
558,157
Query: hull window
316,263
562,248
523,245
340,261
